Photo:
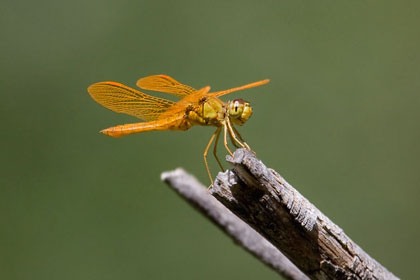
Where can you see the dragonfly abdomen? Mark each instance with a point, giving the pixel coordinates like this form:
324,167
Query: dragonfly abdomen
125,129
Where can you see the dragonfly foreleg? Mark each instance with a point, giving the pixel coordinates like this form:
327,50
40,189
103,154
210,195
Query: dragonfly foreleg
233,136
240,137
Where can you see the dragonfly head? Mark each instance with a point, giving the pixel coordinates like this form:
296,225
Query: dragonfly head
239,111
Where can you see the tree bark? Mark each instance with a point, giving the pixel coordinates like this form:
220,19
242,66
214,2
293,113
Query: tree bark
197,195
266,202
277,220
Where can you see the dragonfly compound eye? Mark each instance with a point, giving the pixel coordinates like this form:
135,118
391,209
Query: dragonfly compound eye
236,108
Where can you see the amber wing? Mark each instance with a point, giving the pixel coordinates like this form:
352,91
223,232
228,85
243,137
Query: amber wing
122,99
164,83
251,85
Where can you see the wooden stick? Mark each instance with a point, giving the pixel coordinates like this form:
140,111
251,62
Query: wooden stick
266,202
197,195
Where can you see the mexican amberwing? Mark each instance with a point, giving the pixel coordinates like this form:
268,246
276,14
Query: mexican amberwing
196,107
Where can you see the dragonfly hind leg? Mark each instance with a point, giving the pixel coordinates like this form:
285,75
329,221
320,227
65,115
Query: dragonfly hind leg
215,135
225,131
219,129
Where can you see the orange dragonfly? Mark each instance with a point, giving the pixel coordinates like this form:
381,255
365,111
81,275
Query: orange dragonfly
196,107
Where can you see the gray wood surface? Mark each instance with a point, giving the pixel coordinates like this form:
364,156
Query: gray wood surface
278,223
197,195
266,202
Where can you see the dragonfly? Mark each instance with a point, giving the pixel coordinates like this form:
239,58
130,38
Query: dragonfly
195,107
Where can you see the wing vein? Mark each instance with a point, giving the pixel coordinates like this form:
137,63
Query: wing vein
122,99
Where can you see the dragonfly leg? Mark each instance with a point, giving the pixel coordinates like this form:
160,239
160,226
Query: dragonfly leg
216,133
234,143
232,134
240,137
219,129
231,139
224,138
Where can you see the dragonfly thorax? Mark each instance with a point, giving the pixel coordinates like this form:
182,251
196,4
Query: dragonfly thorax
209,112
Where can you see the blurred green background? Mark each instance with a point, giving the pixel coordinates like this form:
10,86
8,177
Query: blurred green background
339,120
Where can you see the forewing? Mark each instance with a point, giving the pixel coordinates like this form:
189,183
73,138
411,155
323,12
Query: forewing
122,99
251,85
164,83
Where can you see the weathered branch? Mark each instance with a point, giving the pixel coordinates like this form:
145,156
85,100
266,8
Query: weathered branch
197,195
266,202
287,220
